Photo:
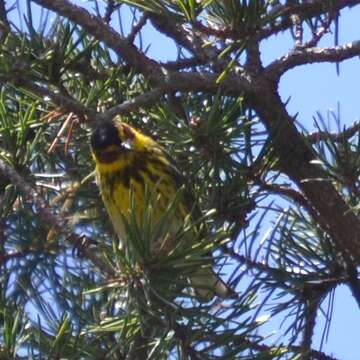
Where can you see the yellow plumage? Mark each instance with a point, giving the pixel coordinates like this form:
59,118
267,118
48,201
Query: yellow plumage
125,158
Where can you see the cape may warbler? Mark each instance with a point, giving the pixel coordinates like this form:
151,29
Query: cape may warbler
125,158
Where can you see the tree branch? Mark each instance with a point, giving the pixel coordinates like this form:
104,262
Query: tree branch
146,99
190,40
312,305
64,102
186,81
182,333
58,223
348,133
110,8
295,160
103,32
304,10
4,22
354,282
324,29
301,56
316,355
183,64
137,27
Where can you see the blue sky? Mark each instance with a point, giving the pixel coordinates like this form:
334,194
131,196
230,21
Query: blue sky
311,88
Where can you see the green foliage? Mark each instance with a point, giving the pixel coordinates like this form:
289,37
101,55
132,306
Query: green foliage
238,14
82,295
186,10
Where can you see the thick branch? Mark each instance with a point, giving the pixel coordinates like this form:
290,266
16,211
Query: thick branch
166,27
295,158
187,81
190,39
312,55
183,63
311,308
190,81
103,32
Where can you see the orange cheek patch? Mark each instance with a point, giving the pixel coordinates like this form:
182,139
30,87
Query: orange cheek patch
126,132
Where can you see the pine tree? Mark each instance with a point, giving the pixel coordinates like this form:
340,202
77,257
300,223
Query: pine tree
280,204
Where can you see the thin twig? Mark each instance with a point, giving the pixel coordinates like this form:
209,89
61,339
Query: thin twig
254,265
341,136
297,23
4,22
12,255
64,102
304,10
316,355
181,333
324,29
110,8
144,100
137,27
139,348
58,223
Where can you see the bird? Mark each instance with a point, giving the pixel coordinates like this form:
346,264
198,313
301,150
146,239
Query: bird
125,159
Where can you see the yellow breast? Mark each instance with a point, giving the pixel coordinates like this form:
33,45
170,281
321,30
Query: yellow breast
143,175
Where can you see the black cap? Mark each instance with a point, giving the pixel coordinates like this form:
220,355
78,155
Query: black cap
104,135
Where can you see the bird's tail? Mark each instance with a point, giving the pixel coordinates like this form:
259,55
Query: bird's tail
207,284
